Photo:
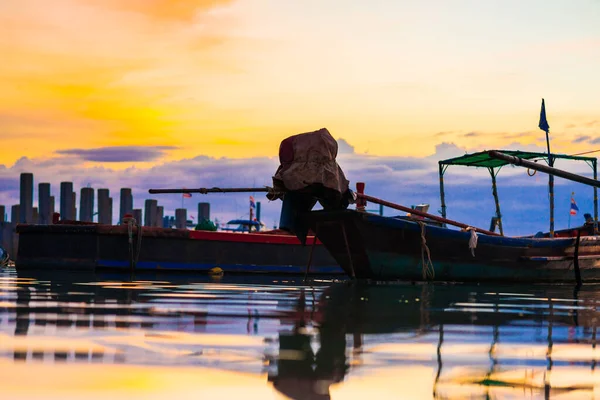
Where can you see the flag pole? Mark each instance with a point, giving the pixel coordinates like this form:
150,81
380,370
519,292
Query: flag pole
543,125
572,194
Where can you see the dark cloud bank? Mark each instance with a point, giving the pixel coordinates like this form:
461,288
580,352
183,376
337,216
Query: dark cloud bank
119,153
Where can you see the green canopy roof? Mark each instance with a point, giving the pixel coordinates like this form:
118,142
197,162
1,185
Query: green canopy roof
482,158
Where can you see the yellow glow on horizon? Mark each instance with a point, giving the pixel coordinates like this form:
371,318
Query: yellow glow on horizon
233,78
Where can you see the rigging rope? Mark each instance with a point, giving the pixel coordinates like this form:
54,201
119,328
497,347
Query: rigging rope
574,154
585,152
426,266
4,257
134,254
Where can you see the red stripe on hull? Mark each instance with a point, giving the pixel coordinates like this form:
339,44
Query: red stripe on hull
249,237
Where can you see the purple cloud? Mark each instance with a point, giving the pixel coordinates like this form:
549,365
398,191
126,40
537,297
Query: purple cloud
472,134
581,139
443,133
403,180
344,147
119,153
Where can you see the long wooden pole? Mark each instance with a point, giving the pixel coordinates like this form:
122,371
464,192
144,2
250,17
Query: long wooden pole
359,195
543,168
421,213
209,190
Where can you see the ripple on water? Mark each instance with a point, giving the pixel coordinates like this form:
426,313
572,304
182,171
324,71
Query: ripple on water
271,338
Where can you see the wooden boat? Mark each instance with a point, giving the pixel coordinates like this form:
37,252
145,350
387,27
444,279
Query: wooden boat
375,247
89,247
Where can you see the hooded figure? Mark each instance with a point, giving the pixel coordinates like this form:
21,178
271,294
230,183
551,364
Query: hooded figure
308,173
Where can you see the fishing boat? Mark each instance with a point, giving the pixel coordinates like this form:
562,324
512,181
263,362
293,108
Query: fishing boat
370,246
248,249
97,247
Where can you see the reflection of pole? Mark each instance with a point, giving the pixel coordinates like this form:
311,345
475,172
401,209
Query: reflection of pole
549,351
439,360
310,255
594,346
495,336
22,319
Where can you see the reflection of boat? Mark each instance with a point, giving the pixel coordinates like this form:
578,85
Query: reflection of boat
474,339
102,247
461,341
372,246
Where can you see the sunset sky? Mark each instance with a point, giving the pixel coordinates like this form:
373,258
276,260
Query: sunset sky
116,84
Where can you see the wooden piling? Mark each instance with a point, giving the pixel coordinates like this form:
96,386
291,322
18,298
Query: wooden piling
104,207
45,214
26,198
150,206
180,218
66,201
86,206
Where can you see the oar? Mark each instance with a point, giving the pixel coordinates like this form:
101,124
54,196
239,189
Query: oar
423,214
210,190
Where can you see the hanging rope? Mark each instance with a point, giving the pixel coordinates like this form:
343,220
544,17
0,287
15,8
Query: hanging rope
426,266
4,257
134,253
472,240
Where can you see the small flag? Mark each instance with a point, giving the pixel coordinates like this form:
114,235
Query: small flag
543,122
574,207
187,195
252,204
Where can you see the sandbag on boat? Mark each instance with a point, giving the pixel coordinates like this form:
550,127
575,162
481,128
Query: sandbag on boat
308,173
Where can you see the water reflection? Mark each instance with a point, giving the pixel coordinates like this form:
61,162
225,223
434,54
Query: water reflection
291,340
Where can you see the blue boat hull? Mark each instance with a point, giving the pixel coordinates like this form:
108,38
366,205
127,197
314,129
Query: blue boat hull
383,248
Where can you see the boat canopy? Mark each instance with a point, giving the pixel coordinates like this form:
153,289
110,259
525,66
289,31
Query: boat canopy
484,160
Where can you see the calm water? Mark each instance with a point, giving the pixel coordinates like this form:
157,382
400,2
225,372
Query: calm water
111,337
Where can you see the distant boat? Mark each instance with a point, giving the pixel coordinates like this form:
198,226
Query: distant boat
242,225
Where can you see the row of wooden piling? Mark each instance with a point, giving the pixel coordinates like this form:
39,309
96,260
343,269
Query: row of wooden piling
25,213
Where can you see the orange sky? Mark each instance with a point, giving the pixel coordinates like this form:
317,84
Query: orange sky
233,78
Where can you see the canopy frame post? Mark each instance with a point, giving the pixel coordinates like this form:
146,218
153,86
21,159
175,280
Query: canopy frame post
595,168
493,174
442,194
